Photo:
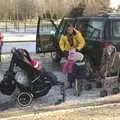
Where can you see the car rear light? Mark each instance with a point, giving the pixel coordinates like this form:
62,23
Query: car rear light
104,44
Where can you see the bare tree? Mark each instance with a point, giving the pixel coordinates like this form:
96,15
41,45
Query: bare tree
95,6
26,9
77,11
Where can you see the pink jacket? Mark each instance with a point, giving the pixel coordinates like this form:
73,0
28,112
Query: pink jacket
67,67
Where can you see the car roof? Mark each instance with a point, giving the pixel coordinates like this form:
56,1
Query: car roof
99,16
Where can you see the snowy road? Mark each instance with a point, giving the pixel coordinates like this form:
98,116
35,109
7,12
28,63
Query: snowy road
19,40
30,46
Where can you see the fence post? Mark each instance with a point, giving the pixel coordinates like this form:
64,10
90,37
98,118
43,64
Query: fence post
18,26
25,26
6,25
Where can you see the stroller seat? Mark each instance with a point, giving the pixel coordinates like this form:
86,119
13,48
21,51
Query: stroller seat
22,59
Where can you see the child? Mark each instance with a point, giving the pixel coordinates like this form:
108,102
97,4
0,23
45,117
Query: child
36,64
73,57
69,64
67,67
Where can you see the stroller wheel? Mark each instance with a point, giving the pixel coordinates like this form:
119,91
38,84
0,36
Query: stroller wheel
24,99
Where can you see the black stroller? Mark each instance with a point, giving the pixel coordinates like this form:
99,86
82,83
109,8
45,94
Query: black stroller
40,81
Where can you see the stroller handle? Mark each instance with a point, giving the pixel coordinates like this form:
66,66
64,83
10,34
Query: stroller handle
13,50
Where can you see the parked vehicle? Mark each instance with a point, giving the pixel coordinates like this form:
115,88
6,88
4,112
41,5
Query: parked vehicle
99,31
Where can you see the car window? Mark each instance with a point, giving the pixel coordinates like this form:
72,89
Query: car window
81,26
64,25
116,29
95,29
46,28
90,28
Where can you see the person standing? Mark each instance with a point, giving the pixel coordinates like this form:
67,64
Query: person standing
1,44
71,40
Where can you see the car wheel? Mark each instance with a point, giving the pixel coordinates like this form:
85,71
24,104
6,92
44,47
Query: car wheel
103,93
88,87
98,85
115,90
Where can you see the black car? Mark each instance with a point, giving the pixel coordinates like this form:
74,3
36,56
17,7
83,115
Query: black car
97,31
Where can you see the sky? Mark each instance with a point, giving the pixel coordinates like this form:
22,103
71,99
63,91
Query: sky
114,3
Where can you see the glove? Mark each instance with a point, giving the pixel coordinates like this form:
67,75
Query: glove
77,50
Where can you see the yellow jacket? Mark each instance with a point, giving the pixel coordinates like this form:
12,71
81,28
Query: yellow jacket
78,42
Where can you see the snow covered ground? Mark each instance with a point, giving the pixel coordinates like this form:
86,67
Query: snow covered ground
19,40
19,36
8,102
29,35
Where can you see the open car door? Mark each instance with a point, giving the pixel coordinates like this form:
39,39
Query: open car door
45,37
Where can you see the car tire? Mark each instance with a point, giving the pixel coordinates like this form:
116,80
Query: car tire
98,85
103,93
88,87
115,90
